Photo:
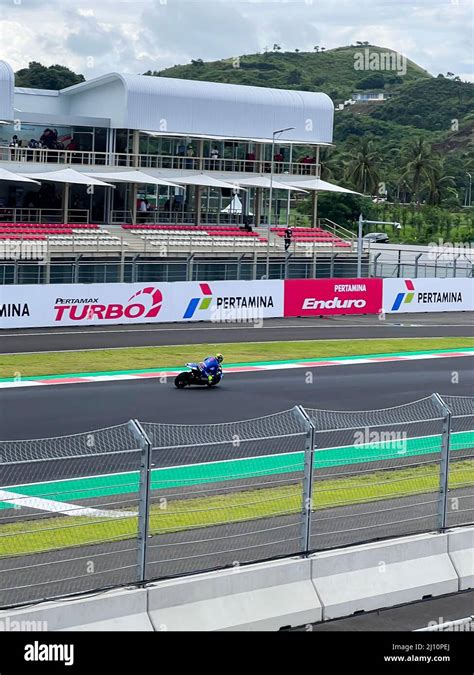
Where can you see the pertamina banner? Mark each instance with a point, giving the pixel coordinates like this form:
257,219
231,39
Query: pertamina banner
428,295
106,304
316,297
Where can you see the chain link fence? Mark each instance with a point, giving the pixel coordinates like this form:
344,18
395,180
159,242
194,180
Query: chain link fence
68,514
143,501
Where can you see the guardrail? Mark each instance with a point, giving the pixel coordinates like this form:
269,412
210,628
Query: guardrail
42,215
144,501
152,161
28,263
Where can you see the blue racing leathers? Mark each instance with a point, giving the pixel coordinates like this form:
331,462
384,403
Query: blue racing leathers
210,367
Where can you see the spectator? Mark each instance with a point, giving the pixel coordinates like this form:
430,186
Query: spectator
250,163
305,161
278,158
15,143
288,236
214,153
190,155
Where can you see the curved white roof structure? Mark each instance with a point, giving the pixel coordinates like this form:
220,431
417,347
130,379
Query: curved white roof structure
169,105
7,84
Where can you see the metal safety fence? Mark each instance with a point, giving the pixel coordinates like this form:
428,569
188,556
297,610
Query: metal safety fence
143,501
78,270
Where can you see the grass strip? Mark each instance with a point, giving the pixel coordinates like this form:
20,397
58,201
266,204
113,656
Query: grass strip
176,515
143,358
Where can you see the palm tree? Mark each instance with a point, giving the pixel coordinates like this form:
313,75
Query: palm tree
330,164
362,168
420,163
438,183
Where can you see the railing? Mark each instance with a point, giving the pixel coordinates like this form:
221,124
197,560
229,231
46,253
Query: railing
162,500
337,230
41,215
176,217
149,161
114,264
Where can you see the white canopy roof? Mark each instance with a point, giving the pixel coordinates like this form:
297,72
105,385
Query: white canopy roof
319,185
205,180
265,182
9,175
67,176
132,177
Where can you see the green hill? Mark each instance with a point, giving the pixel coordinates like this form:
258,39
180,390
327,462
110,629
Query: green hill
417,144
334,72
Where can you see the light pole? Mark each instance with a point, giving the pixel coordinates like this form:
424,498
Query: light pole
469,191
359,238
279,131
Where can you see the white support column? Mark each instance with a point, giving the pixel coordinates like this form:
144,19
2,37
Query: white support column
197,204
66,191
135,162
288,204
315,194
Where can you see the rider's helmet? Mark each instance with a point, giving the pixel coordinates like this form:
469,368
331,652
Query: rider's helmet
219,358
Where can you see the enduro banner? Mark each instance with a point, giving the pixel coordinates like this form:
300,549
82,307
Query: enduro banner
316,297
428,295
28,306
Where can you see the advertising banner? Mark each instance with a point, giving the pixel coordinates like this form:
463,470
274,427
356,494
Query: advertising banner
428,295
316,297
106,304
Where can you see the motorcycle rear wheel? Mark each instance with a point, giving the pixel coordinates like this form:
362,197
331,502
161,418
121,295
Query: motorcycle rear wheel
181,380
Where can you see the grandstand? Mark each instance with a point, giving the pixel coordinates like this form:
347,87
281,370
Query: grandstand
217,184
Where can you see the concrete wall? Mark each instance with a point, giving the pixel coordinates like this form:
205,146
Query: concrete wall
273,595
461,552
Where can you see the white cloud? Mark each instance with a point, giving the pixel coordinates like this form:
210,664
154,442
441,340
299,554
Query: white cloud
96,37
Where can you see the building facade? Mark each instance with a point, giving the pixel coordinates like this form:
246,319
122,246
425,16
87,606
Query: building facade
166,127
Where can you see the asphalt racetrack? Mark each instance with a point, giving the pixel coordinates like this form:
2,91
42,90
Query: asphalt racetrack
452,324
39,412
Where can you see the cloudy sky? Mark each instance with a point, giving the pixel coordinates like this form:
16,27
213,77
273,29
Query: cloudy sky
96,36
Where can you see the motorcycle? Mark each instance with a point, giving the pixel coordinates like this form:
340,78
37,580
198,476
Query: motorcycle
196,376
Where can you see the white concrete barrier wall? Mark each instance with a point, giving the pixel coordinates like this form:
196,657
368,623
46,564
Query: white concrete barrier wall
461,552
272,595
383,574
265,596
117,610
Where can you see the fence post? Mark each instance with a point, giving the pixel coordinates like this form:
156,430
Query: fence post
444,467
307,496
143,496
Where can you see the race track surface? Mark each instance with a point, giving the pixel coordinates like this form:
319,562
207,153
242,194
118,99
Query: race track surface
454,324
410,617
60,410
64,409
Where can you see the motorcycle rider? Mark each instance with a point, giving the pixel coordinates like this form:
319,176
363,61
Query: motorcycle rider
211,366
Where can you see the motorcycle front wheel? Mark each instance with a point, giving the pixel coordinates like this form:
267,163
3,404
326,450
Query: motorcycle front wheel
215,381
